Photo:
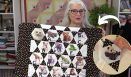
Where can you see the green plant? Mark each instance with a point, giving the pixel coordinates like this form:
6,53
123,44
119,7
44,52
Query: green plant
72,48
94,13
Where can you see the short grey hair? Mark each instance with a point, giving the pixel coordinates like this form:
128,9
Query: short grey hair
66,21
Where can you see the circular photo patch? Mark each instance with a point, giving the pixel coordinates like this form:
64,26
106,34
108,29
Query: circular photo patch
112,54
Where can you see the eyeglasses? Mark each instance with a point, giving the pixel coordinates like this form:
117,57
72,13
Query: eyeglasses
75,11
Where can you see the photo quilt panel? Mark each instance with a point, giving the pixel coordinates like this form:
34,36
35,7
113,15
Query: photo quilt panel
56,51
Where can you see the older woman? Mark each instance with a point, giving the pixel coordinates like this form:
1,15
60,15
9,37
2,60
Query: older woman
76,14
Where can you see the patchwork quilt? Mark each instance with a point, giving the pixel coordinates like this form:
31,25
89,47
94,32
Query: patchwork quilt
56,51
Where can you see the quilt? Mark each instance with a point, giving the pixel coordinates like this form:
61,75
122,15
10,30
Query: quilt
56,51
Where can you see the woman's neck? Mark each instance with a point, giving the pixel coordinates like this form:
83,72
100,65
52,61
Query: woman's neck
75,25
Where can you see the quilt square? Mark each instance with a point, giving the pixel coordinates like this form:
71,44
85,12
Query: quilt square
56,51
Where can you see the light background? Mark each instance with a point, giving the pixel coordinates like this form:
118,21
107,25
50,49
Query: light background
51,12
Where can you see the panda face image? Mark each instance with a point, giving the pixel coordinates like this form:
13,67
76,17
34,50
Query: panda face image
37,34
111,53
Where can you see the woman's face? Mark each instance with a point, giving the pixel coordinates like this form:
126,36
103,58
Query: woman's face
76,14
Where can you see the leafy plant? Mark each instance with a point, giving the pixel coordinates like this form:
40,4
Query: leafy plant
94,13
72,48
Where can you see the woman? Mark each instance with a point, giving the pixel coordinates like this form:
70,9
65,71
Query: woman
76,15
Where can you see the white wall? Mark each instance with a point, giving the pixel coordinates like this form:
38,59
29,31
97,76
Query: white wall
17,19
23,10
116,6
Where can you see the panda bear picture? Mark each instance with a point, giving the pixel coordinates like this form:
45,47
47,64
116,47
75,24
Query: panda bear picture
112,51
